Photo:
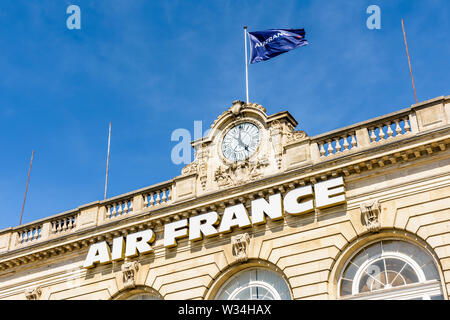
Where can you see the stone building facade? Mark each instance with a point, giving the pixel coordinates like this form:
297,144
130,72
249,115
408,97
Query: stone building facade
361,212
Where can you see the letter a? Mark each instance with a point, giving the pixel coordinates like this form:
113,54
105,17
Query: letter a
73,21
374,21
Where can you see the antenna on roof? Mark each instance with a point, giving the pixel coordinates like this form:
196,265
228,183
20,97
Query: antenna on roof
409,61
107,160
26,189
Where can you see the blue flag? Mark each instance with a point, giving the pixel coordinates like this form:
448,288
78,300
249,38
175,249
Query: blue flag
273,42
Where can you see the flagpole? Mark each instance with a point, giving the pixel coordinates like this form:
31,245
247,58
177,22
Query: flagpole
246,63
409,61
107,159
26,188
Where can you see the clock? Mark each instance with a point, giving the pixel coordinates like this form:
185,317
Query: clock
240,142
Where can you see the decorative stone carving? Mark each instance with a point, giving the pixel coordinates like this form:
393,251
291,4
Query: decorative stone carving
199,165
33,293
202,155
290,135
236,108
239,172
371,215
296,136
129,270
276,136
190,168
239,245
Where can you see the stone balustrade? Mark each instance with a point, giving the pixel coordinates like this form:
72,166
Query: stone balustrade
389,129
366,134
29,234
338,144
63,224
157,197
119,208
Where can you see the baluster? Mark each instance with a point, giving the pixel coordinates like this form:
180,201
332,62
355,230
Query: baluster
114,212
130,207
330,148
64,224
381,133
152,201
406,127
26,235
321,149
119,212
353,139
398,129
125,209
158,199
337,146
108,211
70,223
164,197
346,144
390,133
145,200
373,137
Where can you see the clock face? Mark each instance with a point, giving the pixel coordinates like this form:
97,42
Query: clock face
240,142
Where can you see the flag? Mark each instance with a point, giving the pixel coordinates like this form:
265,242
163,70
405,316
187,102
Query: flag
267,44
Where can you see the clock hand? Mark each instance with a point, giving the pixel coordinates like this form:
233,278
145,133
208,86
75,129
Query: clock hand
241,143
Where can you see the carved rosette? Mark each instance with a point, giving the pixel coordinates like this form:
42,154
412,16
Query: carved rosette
33,293
129,270
239,245
371,215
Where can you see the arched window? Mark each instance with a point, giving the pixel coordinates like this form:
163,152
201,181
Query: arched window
143,296
255,284
138,293
391,269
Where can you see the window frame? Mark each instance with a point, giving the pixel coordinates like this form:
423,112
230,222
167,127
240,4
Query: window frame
425,289
253,283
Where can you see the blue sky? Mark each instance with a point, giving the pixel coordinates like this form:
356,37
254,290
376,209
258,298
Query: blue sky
151,67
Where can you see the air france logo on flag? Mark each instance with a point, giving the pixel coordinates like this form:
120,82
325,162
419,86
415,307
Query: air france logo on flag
267,44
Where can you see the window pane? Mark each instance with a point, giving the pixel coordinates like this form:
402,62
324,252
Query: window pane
410,275
350,271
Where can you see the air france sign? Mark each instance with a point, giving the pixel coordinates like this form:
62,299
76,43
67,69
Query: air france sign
296,202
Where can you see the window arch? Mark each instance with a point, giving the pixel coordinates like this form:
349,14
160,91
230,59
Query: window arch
138,293
143,296
254,284
390,269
